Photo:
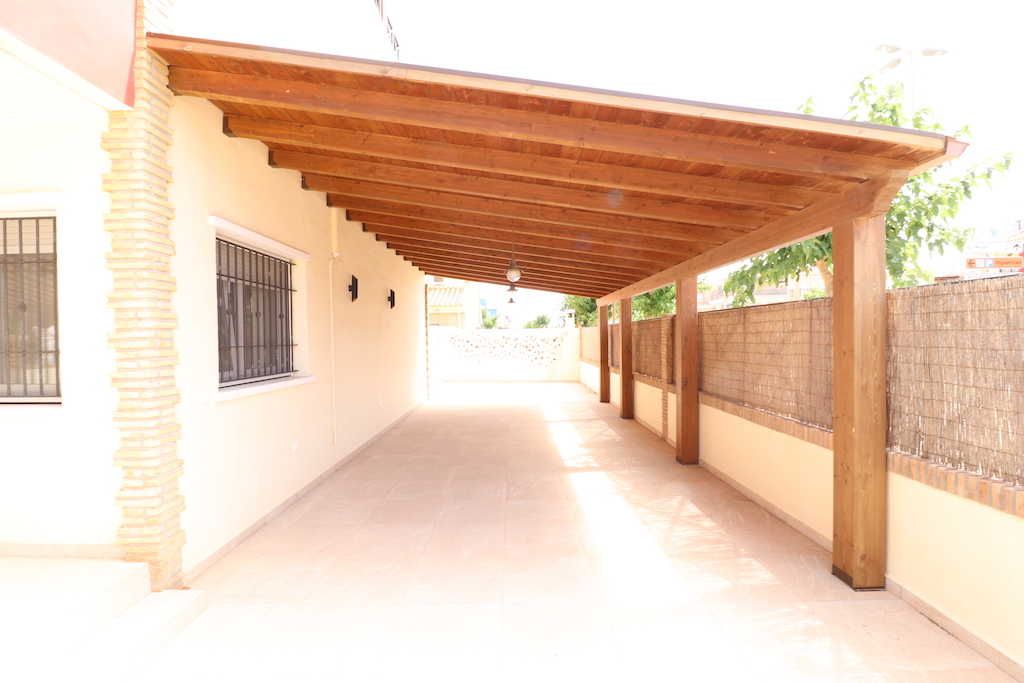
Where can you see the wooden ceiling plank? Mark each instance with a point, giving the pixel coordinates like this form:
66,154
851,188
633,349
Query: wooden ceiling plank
498,257
869,198
543,167
527,281
613,202
564,130
552,274
511,209
640,262
564,240
452,272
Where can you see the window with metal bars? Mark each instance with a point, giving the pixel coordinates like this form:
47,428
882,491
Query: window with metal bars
254,307
29,357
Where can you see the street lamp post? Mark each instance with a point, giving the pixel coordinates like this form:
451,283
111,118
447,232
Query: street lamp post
901,54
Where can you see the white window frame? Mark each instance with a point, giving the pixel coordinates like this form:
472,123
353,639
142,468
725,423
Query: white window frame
35,205
236,234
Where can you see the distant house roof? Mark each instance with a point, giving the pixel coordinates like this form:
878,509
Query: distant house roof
445,296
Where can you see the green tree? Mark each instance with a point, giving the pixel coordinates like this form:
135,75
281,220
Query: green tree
921,216
487,321
540,321
661,301
585,307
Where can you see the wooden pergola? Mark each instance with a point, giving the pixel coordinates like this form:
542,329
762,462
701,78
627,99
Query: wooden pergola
607,195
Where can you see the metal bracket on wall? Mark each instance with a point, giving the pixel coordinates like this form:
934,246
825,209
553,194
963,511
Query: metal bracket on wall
391,298
354,288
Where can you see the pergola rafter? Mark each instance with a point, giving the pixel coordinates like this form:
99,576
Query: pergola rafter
608,195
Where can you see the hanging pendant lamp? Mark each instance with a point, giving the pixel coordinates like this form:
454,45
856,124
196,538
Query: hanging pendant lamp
513,272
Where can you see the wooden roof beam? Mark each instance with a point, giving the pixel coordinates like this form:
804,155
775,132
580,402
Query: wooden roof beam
498,259
559,280
470,272
512,209
272,131
872,197
525,125
577,246
612,202
627,234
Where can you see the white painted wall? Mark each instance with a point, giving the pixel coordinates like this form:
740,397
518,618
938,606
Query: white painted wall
449,363
57,480
246,456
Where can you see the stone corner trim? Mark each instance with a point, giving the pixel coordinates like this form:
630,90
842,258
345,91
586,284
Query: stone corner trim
994,493
144,322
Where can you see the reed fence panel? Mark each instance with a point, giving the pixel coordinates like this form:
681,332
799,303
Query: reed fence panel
956,374
647,348
775,358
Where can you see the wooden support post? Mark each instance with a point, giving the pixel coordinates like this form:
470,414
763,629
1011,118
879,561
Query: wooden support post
626,358
686,368
605,394
859,407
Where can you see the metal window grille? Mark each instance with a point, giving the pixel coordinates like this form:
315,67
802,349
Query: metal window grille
254,307
29,358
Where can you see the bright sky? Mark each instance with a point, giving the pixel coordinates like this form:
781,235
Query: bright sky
758,54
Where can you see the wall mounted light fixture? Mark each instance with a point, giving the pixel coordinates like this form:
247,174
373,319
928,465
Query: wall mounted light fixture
354,288
391,298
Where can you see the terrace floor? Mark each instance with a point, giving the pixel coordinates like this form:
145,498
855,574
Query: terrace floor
526,532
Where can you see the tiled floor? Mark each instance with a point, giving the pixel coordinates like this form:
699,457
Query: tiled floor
524,532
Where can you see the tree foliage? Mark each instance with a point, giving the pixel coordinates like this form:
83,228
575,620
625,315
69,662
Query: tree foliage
645,306
585,307
488,321
921,216
540,321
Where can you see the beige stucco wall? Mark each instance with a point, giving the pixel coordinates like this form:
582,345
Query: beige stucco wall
57,480
793,475
246,456
963,558
647,406
960,558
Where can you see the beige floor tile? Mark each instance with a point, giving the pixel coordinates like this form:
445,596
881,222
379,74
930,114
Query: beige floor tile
478,488
984,675
787,639
530,511
675,639
377,580
543,540
473,580
733,579
225,642
536,490
325,640
548,637
894,636
471,511
406,511
539,579
517,532
462,541
435,637
416,489
645,576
